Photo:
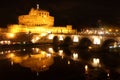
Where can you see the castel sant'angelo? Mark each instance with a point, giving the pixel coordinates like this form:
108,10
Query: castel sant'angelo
38,21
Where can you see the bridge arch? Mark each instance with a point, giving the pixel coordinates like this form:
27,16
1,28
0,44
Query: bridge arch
85,43
67,41
55,41
108,42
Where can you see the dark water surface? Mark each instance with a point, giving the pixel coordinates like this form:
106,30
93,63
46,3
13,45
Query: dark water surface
55,63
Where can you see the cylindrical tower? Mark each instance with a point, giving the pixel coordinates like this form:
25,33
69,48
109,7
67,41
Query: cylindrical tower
37,17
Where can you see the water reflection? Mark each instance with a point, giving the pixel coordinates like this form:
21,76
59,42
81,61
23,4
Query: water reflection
66,62
36,62
96,62
61,53
86,69
75,56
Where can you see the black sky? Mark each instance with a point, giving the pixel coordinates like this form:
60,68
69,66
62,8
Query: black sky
75,12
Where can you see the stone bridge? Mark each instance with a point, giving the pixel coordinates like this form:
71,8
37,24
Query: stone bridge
83,39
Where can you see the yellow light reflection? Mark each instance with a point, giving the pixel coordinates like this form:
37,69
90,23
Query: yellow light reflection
90,47
75,56
37,62
86,69
68,62
61,53
96,62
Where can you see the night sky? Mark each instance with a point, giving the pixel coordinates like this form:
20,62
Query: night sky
75,12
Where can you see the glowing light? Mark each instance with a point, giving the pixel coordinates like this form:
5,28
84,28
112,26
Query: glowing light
75,39
2,52
43,34
118,45
12,55
8,42
35,39
44,16
36,50
48,32
96,62
5,42
12,63
50,36
51,50
37,73
10,35
86,69
101,32
110,30
48,55
61,38
110,46
61,53
37,6
116,30
75,56
90,47
96,40
115,44
24,42
24,49
68,62
43,54
1,42
108,74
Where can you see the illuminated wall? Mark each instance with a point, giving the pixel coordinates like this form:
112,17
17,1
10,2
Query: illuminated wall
36,18
40,29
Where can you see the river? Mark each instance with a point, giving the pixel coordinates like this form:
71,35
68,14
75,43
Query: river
46,62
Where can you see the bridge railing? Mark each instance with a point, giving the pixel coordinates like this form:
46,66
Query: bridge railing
105,34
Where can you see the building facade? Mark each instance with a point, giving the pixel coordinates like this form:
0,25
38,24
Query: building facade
38,21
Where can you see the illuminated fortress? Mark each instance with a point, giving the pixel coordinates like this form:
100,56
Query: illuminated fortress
38,21
37,17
